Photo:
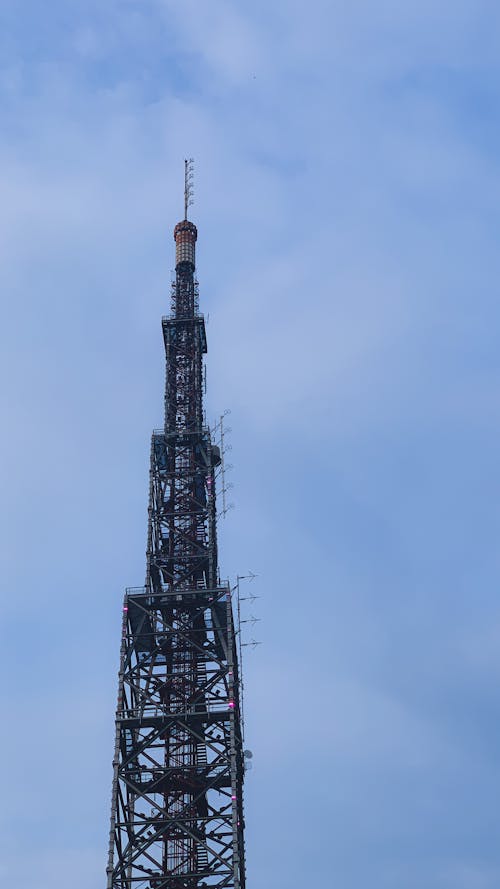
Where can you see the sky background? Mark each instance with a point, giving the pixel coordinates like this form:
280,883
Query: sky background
348,206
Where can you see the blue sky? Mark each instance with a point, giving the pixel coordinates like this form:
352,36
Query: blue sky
347,199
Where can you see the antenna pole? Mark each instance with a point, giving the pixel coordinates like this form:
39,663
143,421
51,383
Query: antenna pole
185,189
188,185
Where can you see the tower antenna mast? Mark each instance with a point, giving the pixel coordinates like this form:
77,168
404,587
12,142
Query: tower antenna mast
188,185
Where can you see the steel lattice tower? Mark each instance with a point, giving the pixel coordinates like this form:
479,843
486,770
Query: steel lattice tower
177,816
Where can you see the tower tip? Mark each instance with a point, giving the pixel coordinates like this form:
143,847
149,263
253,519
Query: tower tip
185,232
188,185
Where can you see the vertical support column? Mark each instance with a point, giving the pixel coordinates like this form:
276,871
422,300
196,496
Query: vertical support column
116,754
149,544
235,743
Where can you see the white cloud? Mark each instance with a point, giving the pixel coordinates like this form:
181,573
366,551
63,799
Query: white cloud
354,724
224,37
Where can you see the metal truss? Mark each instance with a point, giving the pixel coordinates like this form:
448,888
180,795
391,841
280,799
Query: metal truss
178,768
177,799
182,548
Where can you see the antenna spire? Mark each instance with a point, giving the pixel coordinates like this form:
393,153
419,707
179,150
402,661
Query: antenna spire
188,185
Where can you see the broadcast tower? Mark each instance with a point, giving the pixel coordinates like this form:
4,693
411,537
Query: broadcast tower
177,807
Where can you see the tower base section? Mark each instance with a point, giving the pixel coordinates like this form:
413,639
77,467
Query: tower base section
177,814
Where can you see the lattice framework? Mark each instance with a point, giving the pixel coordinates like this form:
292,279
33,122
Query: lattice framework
177,807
